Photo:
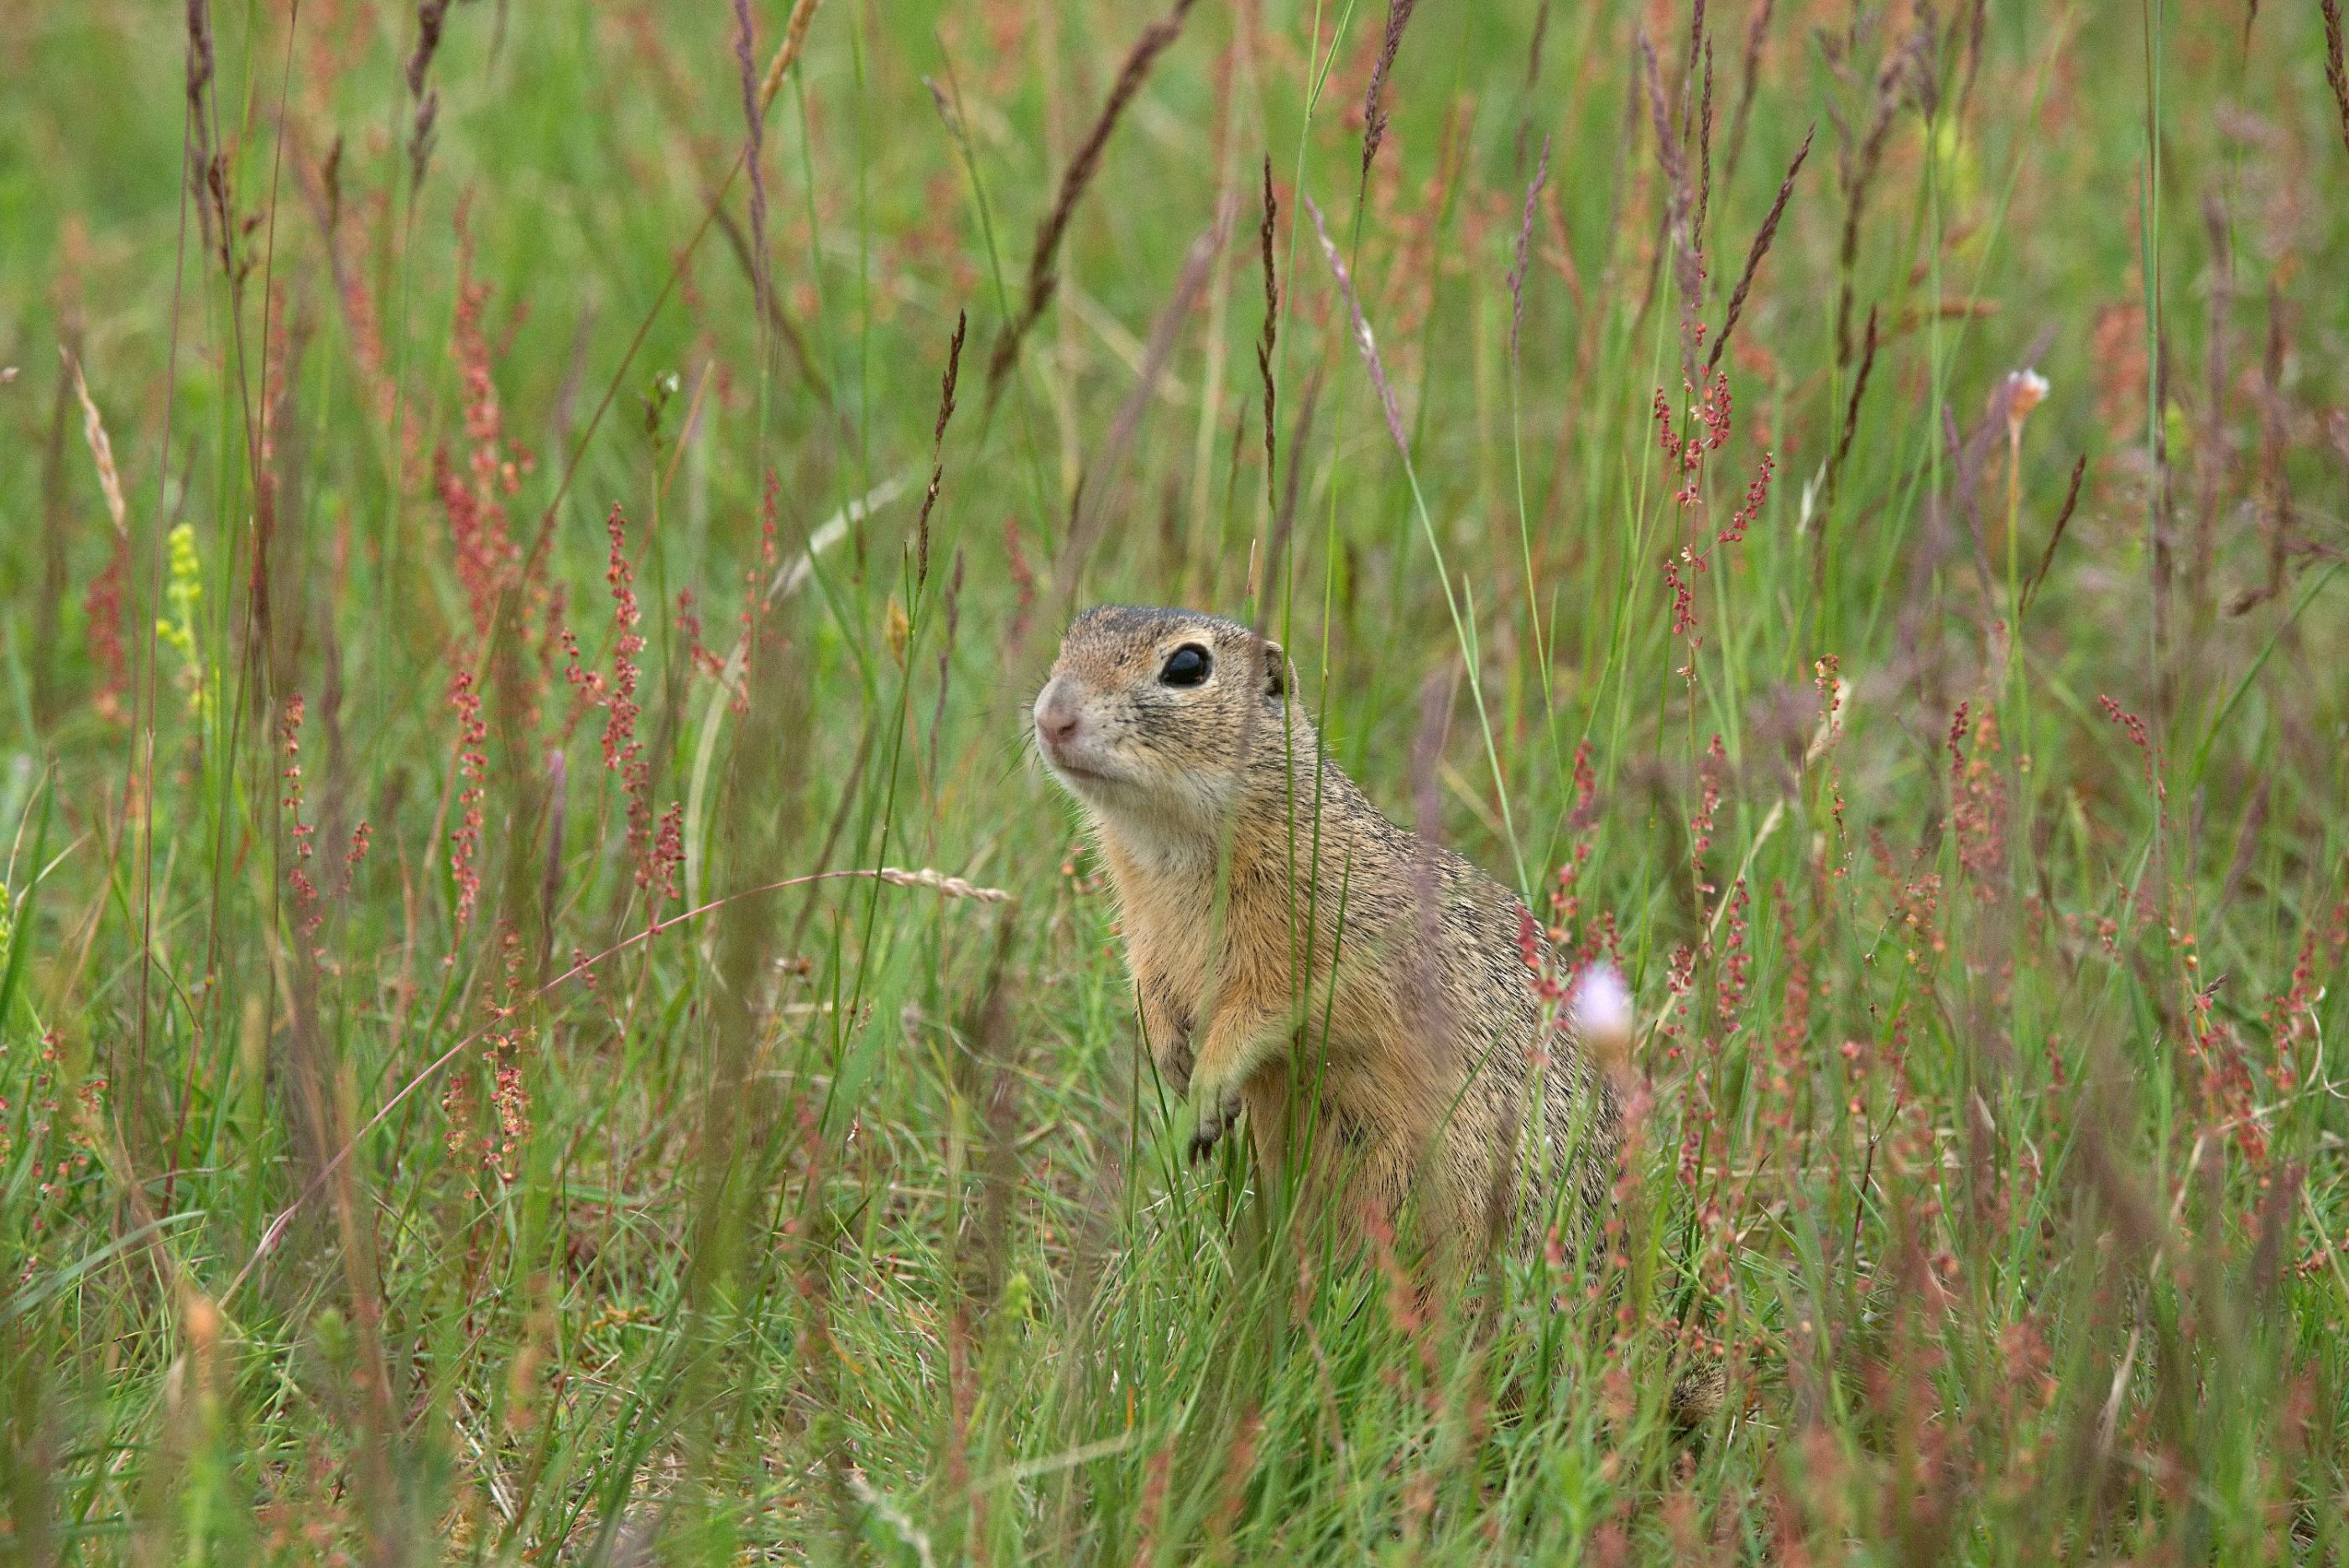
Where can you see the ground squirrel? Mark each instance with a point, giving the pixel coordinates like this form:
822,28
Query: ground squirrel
1205,785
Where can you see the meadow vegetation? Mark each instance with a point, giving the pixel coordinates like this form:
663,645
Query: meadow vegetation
549,1014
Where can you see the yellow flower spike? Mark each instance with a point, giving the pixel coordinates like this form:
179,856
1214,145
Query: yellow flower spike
182,592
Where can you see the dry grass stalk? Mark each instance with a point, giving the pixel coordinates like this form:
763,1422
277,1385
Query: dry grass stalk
200,54
432,15
787,53
1271,335
1043,264
2056,535
1363,338
1687,90
937,451
754,126
941,882
1525,252
206,171
1668,151
1761,248
1374,114
101,449
1705,150
795,38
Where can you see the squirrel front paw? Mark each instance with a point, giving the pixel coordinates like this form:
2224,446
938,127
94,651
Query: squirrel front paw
1218,1113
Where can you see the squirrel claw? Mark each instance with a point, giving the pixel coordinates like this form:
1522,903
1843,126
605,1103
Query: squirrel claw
1215,1119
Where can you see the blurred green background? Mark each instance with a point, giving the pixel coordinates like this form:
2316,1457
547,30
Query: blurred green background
470,544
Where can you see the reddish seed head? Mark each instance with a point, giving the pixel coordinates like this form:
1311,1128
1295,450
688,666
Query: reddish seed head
473,763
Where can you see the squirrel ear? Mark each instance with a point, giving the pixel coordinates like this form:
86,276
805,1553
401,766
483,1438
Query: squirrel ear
1275,671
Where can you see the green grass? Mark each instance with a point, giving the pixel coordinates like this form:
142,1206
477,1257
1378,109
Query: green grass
1995,1102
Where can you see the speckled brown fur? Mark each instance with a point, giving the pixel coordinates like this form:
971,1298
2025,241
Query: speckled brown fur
1428,1051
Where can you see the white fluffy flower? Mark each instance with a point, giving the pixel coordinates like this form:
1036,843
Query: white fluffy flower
1600,1010
2025,390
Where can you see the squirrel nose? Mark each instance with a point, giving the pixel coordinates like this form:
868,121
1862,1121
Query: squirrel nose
1057,713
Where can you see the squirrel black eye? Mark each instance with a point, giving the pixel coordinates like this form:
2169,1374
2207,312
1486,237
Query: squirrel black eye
1187,666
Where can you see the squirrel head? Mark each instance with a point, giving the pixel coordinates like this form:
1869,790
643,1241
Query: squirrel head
1155,718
